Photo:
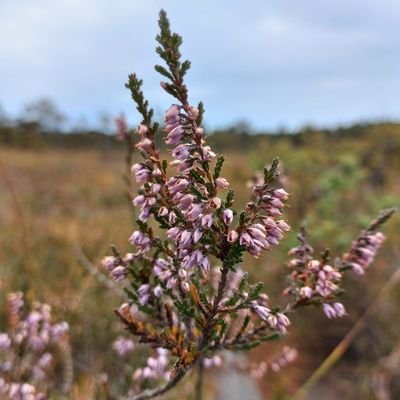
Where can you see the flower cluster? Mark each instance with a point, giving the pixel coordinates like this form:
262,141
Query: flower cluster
155,369
318,281
313,280
287,356
123,346
363,251
215,361
262,229
116,267
157,364
19,391
185,293
276,320
26,350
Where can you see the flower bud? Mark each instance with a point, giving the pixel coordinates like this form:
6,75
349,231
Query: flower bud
193,113
163,211
221,183
142,130
227,216
215,202
185,287
232,236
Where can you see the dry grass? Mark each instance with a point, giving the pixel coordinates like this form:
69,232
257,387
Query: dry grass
53,200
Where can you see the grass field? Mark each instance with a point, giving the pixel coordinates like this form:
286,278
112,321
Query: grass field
56,205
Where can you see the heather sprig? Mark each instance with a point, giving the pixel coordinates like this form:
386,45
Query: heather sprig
186,295
317,280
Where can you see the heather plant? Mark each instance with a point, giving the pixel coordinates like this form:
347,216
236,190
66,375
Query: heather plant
189,296
31,352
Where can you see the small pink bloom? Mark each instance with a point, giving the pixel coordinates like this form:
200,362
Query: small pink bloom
283,225
157,291
145,144
175,135
185,287
306,292
197,235
207,221
227,216
215,202
232,236
221,183
142,130
193,113
281,194
172,112
163,211
261,311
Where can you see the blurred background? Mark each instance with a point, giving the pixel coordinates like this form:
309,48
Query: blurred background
314,83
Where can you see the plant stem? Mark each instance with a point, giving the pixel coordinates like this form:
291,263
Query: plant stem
199,382
150,393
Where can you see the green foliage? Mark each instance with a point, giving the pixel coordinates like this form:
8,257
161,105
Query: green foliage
235,256
229,198
218,167
169,51
135,86
272,173
199,119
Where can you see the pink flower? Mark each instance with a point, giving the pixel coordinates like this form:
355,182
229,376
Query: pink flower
141,240
281,224
185,287
119,273
144,293
232,236
197,235
215,202
281,194
227,216
335,310
222,183
261,311
145,145
5,341
163,211
196,210
175,135
282,322
363,251
142,172
157,291
193,113
181,152
142,130
174,233
306,292
123,346
207,221
172,113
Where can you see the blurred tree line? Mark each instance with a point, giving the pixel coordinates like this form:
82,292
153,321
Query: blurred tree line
41,120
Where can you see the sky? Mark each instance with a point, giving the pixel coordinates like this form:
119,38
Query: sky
272,63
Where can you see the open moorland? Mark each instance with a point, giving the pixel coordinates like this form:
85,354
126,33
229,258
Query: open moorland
63,201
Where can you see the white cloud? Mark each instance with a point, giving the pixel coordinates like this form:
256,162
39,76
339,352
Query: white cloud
256,60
